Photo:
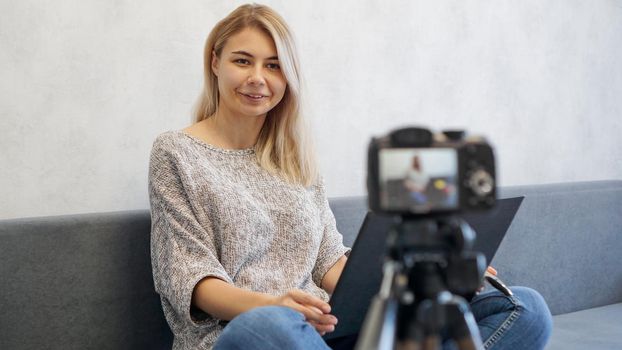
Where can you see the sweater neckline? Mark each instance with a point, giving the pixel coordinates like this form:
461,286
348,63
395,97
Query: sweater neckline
244,151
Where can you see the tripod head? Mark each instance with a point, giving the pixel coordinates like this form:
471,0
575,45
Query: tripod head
436,251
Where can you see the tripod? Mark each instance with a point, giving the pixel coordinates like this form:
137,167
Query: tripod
427,277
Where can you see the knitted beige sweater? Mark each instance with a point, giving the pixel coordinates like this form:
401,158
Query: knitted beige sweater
216,212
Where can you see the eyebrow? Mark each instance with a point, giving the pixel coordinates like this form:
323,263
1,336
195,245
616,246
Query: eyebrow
244,53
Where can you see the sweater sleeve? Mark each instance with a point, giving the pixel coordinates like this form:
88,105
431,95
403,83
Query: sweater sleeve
331,247
182,250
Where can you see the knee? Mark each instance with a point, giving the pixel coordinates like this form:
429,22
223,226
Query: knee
533,306
535,315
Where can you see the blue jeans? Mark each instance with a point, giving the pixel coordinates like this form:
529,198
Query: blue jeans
522,321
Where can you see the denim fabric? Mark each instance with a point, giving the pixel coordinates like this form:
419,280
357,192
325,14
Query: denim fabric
522,321
270,327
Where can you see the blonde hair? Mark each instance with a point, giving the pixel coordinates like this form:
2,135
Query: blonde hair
284,144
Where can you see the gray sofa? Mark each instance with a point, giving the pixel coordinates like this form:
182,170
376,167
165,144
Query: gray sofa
84,281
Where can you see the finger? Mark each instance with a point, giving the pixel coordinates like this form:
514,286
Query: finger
309,315
322,328
308,299
491,270
322,333
319,318
313,314
313,308
325,328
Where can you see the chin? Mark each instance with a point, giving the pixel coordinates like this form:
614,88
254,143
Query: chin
255,113
256,110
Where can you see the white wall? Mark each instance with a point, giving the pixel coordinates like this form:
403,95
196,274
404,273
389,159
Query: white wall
86,85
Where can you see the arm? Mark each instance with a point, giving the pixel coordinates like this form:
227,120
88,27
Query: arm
225,301
332,276
332,253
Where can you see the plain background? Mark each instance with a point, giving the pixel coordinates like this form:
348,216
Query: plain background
86,85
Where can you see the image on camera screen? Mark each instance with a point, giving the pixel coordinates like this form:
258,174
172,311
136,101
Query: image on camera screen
418,180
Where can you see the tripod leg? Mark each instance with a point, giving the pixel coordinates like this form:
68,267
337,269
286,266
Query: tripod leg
463,326
379,328
446,317
432,342
378,331
428,324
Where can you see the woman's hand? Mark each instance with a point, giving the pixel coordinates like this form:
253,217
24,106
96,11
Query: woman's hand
315,310
489,271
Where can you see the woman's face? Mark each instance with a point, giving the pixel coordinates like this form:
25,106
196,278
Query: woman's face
250,81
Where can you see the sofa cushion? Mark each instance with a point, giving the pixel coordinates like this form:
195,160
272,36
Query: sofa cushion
597,328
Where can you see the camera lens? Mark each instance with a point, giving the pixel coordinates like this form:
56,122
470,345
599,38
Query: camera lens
481,183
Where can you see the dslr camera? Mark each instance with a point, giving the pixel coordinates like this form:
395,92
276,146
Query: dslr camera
413,172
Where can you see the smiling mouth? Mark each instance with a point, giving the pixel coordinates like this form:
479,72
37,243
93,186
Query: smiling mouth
253,96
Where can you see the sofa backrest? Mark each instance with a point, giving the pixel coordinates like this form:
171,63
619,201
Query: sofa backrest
566,242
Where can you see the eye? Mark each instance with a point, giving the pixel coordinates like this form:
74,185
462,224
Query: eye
273,66
241,61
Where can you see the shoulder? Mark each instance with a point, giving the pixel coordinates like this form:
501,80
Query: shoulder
319,189
168,148
167,140
172,143
172,153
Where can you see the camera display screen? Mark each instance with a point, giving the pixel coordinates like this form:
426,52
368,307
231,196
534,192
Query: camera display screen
418,180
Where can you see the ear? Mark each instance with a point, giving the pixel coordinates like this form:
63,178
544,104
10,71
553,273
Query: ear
215,62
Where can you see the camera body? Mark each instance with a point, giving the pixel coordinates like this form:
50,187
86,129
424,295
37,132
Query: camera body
412,172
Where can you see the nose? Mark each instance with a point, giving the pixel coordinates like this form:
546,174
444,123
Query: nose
256,76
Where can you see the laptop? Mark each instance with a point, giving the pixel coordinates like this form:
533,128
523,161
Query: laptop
362,275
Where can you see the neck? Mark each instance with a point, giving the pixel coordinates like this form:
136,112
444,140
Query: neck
234,132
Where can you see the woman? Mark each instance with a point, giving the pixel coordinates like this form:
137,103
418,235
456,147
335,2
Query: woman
241,227
416,181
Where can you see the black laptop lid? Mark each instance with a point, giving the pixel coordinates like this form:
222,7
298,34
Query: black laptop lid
362,274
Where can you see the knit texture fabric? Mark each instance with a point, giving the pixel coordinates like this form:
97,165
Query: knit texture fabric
216,212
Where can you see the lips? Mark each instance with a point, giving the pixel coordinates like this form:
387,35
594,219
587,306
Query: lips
254,96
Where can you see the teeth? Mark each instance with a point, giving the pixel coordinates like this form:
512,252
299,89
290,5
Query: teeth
254,96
